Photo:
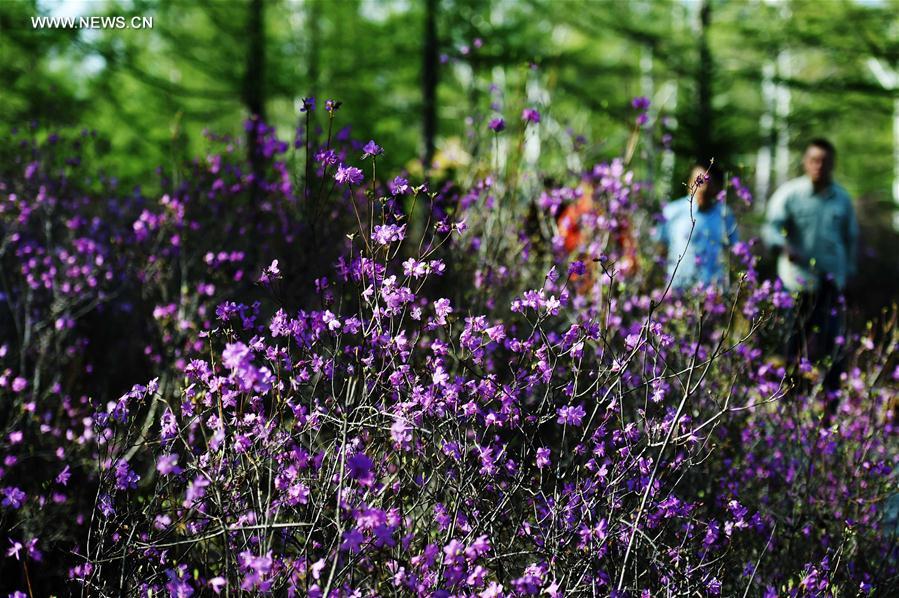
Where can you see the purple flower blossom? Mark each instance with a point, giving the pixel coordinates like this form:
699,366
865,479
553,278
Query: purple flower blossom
126,478
442,309
383,536
530,115
168,425
401,433
196,490
498,124
327,157
372,149
577,268
348,175
543,459
352,540
361,405
259,565
15,549
399,186
388,233
218,583
12,497
359,467
167,465
271,273
571,415
640,103
63,477
104,504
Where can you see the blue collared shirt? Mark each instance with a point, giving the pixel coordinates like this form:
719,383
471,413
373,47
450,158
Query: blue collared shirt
820,227
703,246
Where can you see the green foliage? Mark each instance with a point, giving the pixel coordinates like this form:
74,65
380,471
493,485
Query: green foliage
152,92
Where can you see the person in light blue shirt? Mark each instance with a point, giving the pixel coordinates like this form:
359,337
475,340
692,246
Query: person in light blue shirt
811,226
697,232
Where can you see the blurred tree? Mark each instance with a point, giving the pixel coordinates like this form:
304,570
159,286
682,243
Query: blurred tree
430,64
39,70
707,64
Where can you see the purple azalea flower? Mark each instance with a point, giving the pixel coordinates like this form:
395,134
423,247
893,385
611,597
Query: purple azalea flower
401,433
530,115
105,505
372,149
640,103
352,540
63,476
168,464
271,273
577,268
33,553
196,490
359,467
169,425
543,458
218,583
388,233
498,124
327,157
399,186
572,416
15,549
126,478
13,497
348,175
260,565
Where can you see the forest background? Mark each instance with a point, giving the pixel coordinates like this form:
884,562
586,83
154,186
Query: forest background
743,82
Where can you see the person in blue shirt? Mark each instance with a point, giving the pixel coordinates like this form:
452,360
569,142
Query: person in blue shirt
811,227
696,232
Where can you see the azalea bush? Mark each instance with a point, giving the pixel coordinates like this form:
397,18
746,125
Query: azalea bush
348,384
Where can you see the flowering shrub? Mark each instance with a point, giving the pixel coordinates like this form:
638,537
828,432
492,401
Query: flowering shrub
359,387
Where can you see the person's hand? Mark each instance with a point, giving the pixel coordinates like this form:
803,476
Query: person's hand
793,254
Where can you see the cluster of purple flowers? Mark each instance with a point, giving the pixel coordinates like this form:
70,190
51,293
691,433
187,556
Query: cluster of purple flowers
439,411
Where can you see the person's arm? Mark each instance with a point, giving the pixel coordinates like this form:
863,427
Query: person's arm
730,223
775,229
777,223
852,234
661,235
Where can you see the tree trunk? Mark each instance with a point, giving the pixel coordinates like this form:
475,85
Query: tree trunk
429,84
254,87
764,157
782,119
313,67
705,131
889,79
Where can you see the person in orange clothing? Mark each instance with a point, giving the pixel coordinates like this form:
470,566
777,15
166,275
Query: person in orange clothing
574,233
569,219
